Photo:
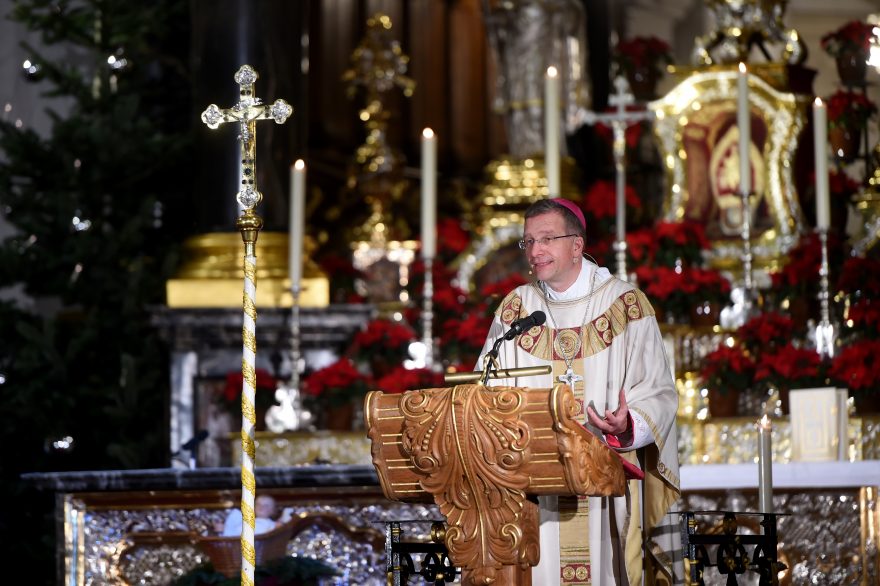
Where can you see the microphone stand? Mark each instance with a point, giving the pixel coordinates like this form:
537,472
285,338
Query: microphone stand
494,373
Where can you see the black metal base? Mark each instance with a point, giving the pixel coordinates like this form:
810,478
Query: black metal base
731,556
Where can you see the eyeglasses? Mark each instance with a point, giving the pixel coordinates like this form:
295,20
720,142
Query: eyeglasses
526,244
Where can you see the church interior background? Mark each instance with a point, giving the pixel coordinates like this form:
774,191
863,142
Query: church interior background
121,279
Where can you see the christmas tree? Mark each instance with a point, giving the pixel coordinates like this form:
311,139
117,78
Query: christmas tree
94,205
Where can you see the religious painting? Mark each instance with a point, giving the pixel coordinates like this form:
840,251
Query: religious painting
698,140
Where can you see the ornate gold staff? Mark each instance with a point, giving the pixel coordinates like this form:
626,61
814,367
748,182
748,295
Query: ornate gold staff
246,112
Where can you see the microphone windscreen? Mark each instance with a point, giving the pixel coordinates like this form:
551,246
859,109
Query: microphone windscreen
539,317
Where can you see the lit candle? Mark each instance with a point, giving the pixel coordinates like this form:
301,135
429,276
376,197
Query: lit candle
820,140
743,123
297,222
551,132
429,193
765,465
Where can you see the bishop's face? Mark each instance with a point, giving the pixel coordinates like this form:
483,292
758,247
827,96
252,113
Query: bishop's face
556,261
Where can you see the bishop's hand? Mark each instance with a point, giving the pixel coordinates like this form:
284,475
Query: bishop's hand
615,422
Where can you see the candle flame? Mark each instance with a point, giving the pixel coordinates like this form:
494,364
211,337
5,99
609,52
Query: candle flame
742,67
428,133
551,71
818,102
299,165
764,422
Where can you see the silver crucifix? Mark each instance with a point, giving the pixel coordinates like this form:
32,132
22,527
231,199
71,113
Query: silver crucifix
246,112
619,120
569,378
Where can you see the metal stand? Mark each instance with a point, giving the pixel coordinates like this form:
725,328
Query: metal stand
825,335
290,414
295,353
428,314
748,282
743,297
731,557
435,566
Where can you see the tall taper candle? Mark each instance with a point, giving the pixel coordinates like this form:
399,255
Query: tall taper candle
551,132
297,222
429,193
765,465
820,141
744,125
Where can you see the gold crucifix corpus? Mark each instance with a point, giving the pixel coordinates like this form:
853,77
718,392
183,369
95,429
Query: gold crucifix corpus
246,112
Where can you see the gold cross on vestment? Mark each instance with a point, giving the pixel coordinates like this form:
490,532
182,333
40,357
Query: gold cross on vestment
246,112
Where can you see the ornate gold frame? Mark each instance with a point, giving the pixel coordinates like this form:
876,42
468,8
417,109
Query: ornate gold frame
783,115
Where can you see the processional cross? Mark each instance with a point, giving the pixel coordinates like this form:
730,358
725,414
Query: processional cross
619,120
246,112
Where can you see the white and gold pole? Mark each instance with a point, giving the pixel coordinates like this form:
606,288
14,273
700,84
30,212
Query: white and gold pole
249,224
245,113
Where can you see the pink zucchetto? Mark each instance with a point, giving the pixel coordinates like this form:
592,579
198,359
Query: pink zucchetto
573,208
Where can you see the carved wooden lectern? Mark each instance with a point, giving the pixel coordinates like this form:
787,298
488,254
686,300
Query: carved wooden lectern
483,455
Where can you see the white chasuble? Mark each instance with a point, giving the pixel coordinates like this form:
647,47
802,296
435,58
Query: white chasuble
611,340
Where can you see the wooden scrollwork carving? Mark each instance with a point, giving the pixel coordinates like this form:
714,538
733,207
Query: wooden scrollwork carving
480,453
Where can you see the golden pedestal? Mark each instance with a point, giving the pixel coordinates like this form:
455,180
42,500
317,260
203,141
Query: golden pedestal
211,274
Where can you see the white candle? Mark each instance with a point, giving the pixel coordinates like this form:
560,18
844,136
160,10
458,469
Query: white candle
765,465
297,222
551,132
820,140
743,123
429,194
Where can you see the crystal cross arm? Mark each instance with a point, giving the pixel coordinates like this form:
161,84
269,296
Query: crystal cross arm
569,377
246,112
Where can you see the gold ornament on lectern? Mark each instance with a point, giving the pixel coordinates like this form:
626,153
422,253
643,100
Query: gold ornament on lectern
246,112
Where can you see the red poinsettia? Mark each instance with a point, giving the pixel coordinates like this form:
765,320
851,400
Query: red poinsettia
336,384
384,338
849,109
860,274
452,239
265,390
401,379
855,35
680,241
840,184
728,369
502,287
790,367
643,52
855,366
463,338
793,280
600,201
678,289
641,245
764,332
865,317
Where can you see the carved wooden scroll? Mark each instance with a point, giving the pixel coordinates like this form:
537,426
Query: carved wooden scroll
480,453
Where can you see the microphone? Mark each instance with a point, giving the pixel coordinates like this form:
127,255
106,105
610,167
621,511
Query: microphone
526,323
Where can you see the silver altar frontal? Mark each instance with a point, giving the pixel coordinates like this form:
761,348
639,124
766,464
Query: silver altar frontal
137,526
